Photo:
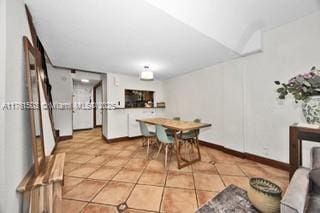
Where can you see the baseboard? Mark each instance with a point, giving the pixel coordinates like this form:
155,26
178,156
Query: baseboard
268,161
249,156
84,129
65,137
119,139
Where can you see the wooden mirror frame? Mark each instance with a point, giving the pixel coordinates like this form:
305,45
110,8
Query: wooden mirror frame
37,48
28,48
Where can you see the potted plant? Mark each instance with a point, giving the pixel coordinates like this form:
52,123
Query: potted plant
304,88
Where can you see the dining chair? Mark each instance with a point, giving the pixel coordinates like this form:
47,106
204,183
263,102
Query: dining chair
165,140
192,133
169,131
147,135
189,137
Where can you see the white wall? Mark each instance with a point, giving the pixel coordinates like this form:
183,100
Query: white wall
99,101
239,98
2,99
117,120
17,133
61,81
62,87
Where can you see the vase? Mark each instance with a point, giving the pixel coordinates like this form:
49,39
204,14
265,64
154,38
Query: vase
311,109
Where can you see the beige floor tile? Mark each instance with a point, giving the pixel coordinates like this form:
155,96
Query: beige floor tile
173,166
114,193
101,162
126,153
221,157
84,170
242,182
68,167
110,151
204,167
136,164
178,200
229,169
82,159
70,183
274,172
135,211
153,178
101,159
208,182
180,180
97,208
145,197
82,150
141,155
71,156
105,173
72,205
117,162
156,165
253,170
85,190
204,196
95,151
127,175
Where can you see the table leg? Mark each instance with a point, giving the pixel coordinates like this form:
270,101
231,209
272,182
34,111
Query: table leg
198,148
180,159
177,142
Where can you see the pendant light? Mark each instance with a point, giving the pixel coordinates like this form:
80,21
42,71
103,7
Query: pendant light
146,75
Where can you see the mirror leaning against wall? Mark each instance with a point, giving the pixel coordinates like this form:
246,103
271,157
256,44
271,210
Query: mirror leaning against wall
32,81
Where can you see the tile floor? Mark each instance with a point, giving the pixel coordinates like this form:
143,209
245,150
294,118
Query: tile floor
100,176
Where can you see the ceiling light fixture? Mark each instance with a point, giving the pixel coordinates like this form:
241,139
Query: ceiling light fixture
85,80
146,75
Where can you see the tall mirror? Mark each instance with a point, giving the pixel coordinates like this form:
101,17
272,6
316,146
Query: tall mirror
32,80
47,124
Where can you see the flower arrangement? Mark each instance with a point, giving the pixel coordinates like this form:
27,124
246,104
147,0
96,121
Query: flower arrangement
301,86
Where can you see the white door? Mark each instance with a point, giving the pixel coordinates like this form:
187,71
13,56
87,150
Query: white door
82,111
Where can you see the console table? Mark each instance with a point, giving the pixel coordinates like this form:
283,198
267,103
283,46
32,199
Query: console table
296,135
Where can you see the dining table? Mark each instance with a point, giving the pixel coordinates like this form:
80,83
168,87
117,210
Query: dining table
178,127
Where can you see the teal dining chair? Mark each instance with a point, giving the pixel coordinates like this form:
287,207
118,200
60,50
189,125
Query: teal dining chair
169,131
164,140
147,135
192,134
189,137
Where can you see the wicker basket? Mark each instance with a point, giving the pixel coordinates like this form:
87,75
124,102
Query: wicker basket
264,195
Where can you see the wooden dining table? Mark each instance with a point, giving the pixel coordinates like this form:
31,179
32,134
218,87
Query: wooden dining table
178,127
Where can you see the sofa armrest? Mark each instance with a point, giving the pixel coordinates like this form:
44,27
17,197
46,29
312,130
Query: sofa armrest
297,192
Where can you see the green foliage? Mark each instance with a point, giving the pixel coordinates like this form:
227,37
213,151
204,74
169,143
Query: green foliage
301,87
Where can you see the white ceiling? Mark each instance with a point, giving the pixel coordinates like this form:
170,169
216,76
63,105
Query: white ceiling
171,36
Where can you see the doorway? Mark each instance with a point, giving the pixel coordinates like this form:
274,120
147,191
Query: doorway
97,101
82,110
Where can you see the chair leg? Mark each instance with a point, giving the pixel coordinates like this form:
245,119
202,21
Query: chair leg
143,141
159,150
148,148
166,157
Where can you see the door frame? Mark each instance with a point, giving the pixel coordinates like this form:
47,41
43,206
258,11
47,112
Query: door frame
94,102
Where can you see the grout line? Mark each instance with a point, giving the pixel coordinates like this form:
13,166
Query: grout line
165,181
87,141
